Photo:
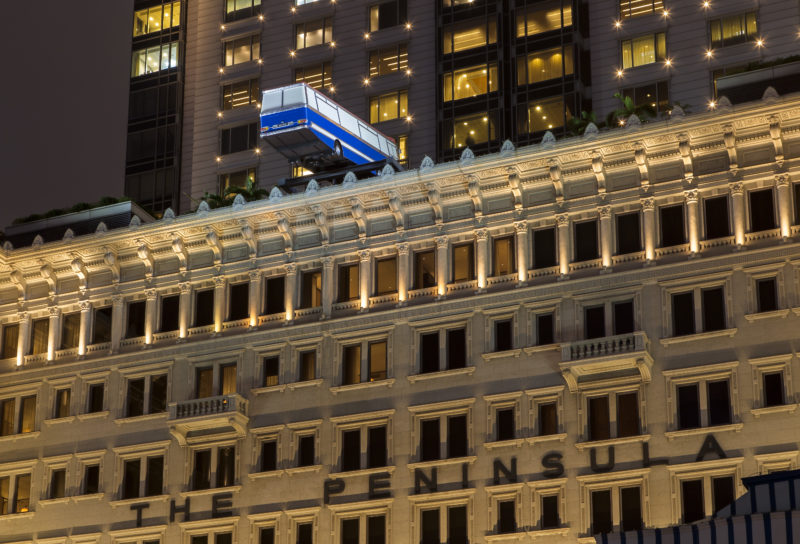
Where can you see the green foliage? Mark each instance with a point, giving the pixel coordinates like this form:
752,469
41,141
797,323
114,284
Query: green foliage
577,125
628,108
79,207
251,191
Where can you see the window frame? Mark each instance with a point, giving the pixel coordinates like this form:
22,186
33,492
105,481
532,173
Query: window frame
363,339
762,366
701,283
362,422
442,329
457,499
498,402
701,375
327,33
656,54
705,471
612,393
140,452
441,411
254,48
613,482
147,373
298,430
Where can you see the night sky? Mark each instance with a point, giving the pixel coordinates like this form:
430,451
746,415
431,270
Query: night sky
65,94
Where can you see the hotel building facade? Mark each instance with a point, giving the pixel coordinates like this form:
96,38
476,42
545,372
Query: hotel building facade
581,336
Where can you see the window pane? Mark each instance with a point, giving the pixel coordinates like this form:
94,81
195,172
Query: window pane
154,484
463,36
544,248
505,424
692,499
351,450
601,512
548,419
424,269
376,447
627,414
631,508
470,82
683,314
586,247
39,334
544,115
543,17
102,326
766,295
762,211
271,370
550,517
376,530
377,361
386,276
204,383
158,394
463,263
457,525
717,222
226,466
544,65
22,495
350,531
429,530
7,414
773,389
70,331
723,492
348,282
503,256
308,365
456,348
27,414
719,403
351,362
472,129
713,309
429,352
430,444
688,406
599,425
227,381
201,477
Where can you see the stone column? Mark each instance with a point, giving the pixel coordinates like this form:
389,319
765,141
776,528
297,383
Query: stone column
327,286
523,255
53,332
150,315
562,220
24,338
219,302
184,308
606,236
254,296
291,291
649,223
442,244
364,277
693,216
403,276
784,205
737,196
482,243
83,337
117,321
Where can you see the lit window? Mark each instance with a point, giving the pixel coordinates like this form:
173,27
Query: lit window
236,179
207,386
215,466
463,36
388,60
20,500
733,29
242,50
155,59
70,331
545,115
241,9
635,8
545,16
364,362
156,19
470,82
386,276
653,95
239,94
544,65
10,340
313,33
17,415
311,289
503,256
471,130
402,153
644,50
39,335
387,14
388,106
317,76
463,262
146,395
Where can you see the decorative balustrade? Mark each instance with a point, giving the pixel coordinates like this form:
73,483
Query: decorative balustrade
603,347
209,406
236,324
600,358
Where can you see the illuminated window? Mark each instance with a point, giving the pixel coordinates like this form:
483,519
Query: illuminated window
386,276
240,94
17,415
10,340
311,293
402,154
464,262
733,29
156,19
545,115
463,36
304,2
470,82
654,95
387,14
299,171
471,130
241,138
317,76
388,106
644,50
20,501
544,65
236,179
70,330
348,282
40,329
241,9
242,50
451,3
544,17
503,256
388,60
154,59
634,8
313,33
364,362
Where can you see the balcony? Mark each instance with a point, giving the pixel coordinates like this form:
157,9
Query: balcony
224,414
783,75
620,356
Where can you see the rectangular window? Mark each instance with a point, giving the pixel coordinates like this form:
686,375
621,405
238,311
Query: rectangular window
266,535
545,65
269,456
227,379
429,527
544,17
594,322
7,408
430,442
351,363
599,424
271,371
152,388
387,15
693,508
226,466
154,477
275,295
644,50
457,440
733,29
456,348
305,533
388,60
94,398
377,361
464,262
504,335
635,8
429,352
630,505
503,256
469,130
683,314
239,138
22,493
545,329
204,382
623,317
351,450
350,531
688,406
723,492
242,50
424,271
376,530
101,331
156,19
308,366
505,424
766,295
91,479
586,246
311,294
236,10
240,178
238,301
713,309
550,518
377,451
717,221
548,418
348,282
170,313
10,340
313,33
154,59
402,155
457,525
506,516
318,76
654,96
672,229
241,93
627,414
58,481
70,332
468,35
204,308
305,451
39,333
602,521
719,402
136,316
470,82
386,276
61,403
542,115
544,248
773,389
27,414
762,210
201,475
130,479
388,106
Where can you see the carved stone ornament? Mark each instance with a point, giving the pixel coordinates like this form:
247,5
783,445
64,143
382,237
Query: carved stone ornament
7,246
168,214
604,212
38,240
521,227
562,220
467,156
349,180
507,149
363,255
327,261
69,234
548,140
85,305
185,287
275,195
54,311
312,188
677,112
781,180
633,122
442,241
150,294
219,281
238,202
591,131
426,164
291,268
648,204
770,94
691,195
402,249
737,188
203,208
387,172
135,221
481,234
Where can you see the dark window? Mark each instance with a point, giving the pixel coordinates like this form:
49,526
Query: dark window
601,512
796,189
457,525
464,262
688,406
653,96
719,403
11,340
226,466
773,389
388,60
201,476
267,536
429,352
544,248
424,269
630,499
61,408
762,211
545,333
682,314
627,414
241,9
135,404
599,424
102,325
376,447
713,309
351,450
70,333
305,533
377,361
550,518
692,498
136,311
170,313
130,479
623,317
594,322
239,178
158,394
311,294
429,530
275,298
58,481
586,241
199,539
456,348
548,418
204,308
91,479
308,366
386,276
348,282
204,383
154,479
717,223
223,538
457,443
723,493
503,256
350,531
239,301
766,292
506,516
387,14
269,456
505,424
305,451
240,93
235,139
376,530
672,233
95,395
628,234
271,371
430,443
351,364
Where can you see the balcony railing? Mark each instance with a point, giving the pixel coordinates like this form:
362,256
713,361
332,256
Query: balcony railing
602,347
209,406
606,357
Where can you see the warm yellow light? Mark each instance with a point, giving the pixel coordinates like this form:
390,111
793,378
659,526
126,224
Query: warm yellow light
219,159
366,35
760,42
618,24
221,70
408,26
258,151
366,81
219,115
706,4
668,62
409,118
333,44
620,73
261,61
261,17
408,72
291,53
622,122
709,53
222,27
666,13
331,89
294,9
712,104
